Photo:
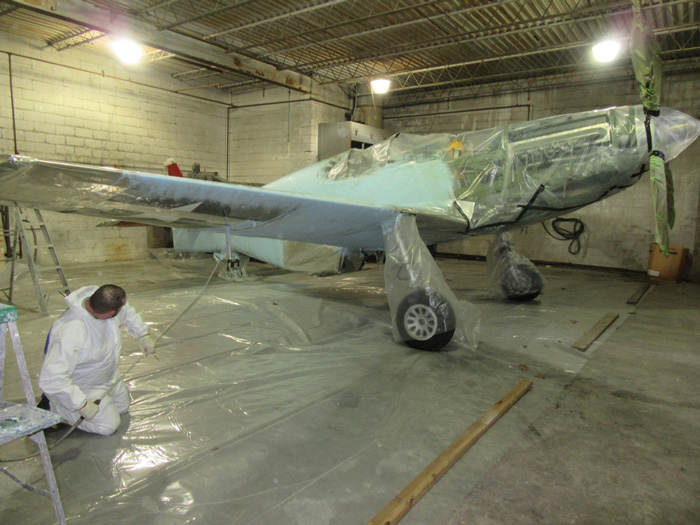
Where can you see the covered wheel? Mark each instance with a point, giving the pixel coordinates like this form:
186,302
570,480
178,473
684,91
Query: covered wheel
521,282
425,320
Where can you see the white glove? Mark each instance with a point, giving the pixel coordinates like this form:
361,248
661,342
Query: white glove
89,409
148,345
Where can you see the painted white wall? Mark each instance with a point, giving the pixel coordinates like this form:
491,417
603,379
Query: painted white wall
274,132
620,228
78,107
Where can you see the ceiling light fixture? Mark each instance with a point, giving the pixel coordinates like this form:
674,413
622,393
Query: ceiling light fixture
127,51
380,85
606,51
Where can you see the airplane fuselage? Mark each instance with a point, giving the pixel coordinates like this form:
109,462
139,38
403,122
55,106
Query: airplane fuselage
501,178
471,183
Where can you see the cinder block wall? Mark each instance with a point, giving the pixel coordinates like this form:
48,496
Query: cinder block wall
77,107
619,229
274,132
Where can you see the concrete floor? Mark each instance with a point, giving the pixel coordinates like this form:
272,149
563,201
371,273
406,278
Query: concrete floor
621,444
283,400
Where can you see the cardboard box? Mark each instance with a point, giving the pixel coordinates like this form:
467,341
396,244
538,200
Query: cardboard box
662,268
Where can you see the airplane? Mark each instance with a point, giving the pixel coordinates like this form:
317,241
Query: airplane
399,196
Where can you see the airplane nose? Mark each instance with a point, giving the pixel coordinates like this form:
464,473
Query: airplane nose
674,131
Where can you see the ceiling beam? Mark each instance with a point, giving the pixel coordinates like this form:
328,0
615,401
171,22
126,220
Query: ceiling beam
268,20
507,29
360,69
381,29
227,7
78,39
117,23
413,78
49,5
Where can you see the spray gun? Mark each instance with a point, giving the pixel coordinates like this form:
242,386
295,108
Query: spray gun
99,400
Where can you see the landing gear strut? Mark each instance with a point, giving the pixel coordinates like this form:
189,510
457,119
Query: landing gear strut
510,273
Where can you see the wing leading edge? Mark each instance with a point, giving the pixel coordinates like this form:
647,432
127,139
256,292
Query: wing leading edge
195,204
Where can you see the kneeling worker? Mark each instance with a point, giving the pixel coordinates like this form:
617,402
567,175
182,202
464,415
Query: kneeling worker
82,356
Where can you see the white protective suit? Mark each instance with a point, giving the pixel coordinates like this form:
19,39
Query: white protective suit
81,363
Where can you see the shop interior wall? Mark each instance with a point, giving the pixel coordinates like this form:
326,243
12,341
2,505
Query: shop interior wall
76,106
619,229
274,132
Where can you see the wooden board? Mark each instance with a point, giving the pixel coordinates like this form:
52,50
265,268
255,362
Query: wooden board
595,332
637,296
409,496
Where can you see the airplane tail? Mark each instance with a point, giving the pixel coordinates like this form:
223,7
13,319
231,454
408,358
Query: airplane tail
173,168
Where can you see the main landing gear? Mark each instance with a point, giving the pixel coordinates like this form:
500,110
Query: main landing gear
425,313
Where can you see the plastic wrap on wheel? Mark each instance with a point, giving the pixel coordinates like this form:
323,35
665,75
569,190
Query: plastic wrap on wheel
415,285
510,274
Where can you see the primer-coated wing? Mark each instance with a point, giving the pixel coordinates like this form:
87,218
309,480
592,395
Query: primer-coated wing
187,203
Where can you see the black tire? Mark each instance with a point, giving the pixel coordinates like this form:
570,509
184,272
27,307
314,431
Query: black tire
521,282
425,320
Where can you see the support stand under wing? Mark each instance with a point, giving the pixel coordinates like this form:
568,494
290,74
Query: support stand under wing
425,312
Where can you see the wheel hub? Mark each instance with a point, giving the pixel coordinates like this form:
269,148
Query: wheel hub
420,322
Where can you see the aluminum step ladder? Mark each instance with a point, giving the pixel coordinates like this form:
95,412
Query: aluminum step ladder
40,240
10,246
19,420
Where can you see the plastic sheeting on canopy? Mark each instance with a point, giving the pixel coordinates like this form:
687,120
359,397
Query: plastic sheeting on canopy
524,171
520,173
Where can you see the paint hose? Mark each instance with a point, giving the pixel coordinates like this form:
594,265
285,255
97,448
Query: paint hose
99,400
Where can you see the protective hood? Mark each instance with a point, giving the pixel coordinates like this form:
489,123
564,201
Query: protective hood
76,302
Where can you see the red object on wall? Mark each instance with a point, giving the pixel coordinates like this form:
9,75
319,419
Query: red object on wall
174,170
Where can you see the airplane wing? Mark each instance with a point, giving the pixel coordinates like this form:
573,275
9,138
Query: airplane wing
196,204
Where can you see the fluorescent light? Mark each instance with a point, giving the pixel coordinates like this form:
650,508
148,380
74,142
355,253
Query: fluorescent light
380,85
606,51
127,51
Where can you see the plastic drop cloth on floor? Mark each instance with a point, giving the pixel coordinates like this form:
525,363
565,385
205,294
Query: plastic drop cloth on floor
283,399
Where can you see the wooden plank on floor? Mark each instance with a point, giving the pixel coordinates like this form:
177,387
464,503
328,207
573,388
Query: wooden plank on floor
409,496
595,332
637,296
